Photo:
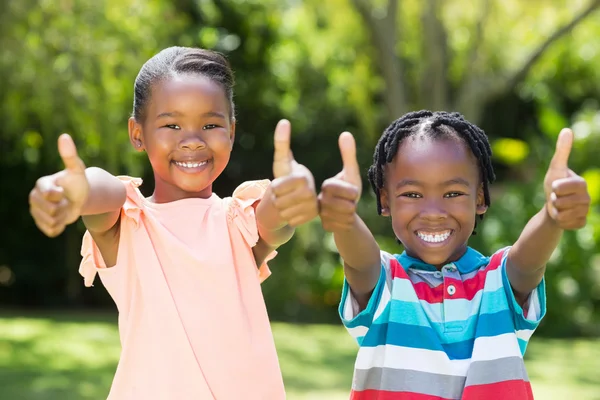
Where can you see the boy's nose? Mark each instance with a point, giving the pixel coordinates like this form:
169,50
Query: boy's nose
433,211
192,143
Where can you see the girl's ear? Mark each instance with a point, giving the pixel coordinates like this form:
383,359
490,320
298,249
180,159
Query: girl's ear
232,133
135,134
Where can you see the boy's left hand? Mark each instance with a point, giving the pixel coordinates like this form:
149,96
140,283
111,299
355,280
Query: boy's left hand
567,196
294,185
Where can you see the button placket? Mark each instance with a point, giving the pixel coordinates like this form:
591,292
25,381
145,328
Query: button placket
450,307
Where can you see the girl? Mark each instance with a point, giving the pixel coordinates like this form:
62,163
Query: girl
181,265
440,320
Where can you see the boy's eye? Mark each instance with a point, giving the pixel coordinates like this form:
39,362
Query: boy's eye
172,126
411,195
453,194
210,126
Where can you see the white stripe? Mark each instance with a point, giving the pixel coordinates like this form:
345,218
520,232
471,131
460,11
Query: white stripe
358,331
386,296
495,347
351,308
535,307
398,357
525,334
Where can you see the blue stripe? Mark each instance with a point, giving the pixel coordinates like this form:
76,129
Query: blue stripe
459,310
422,337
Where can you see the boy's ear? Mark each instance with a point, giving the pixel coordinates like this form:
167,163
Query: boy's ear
481,207
135,134
385,204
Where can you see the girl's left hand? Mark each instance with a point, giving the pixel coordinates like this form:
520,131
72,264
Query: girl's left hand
293,188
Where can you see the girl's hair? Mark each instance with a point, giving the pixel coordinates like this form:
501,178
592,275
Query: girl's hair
435,125
181,60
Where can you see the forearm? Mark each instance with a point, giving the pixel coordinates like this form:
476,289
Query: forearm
271,228
527,258
361,255
105,199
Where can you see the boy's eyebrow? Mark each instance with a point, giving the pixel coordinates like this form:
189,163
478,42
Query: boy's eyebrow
178,114
453,181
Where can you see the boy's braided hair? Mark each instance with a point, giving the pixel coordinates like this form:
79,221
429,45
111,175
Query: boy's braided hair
431,124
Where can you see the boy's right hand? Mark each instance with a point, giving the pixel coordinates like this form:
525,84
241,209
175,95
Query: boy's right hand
340,194
57,200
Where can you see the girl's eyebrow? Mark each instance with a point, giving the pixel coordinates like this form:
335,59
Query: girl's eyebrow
453,181
178,114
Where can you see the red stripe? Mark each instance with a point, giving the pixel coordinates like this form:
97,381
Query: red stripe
464,290
515,389
385,395
428,293
397,270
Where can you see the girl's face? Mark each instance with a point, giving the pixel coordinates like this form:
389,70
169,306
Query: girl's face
188,134
433,191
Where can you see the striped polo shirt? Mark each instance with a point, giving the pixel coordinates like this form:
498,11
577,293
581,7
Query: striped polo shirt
456,333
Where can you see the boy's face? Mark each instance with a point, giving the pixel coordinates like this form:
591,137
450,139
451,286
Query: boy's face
432,192
188,135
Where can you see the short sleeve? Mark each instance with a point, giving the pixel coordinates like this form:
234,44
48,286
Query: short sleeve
526,318
92,260
242,216
357,321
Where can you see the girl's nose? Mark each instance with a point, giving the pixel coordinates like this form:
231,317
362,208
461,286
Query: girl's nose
192,143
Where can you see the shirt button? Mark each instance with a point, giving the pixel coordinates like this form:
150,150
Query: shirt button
451,290
437,274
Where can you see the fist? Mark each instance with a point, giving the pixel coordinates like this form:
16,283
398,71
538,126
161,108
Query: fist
340,194
294,186
57,200
567,196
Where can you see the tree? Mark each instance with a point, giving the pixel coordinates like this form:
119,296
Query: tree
435,88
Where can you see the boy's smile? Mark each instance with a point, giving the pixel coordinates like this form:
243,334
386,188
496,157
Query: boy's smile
433,192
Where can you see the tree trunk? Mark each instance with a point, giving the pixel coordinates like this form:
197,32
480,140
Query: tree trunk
384,33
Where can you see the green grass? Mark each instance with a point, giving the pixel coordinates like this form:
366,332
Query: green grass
73,357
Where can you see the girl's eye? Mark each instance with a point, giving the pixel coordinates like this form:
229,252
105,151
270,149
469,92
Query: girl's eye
172,126
210,126
411,195
453,194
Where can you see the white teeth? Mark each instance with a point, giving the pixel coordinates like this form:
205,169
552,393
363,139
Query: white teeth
434,238
190,164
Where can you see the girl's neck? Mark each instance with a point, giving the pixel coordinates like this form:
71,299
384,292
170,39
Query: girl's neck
165,192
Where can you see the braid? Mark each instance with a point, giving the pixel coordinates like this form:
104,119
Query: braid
434,124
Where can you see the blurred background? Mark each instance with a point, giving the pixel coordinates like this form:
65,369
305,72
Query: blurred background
521,69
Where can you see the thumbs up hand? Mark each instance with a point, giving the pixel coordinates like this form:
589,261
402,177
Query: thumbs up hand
294,185
340,194
57,200
567,196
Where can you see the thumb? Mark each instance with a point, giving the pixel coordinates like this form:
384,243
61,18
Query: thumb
351,170
564,144
282,158
68,153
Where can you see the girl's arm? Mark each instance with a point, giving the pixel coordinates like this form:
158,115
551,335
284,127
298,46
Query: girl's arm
60,199
567,205
288,202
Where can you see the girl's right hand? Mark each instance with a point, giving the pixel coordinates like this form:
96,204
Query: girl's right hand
340,194
57,200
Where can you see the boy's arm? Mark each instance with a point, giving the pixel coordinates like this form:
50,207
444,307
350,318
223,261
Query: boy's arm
289,201
567,205
355,243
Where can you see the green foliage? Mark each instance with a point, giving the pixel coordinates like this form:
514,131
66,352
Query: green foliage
69,66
